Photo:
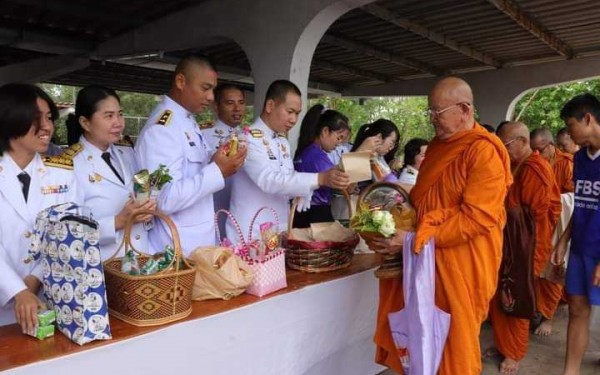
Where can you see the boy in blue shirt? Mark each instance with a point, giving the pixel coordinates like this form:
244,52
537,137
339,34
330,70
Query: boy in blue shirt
582,117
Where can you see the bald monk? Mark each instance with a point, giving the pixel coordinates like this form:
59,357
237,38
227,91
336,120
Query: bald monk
561,162
562,166
534,187
565,143
459,199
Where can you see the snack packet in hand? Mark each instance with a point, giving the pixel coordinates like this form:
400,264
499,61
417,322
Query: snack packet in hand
141,186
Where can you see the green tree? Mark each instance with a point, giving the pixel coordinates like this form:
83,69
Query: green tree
541,107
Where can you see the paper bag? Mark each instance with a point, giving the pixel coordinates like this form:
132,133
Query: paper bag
357,165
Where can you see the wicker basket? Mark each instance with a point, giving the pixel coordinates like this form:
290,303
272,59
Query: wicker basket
317,256
150,300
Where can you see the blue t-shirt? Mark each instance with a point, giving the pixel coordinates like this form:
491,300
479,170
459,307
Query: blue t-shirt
314,160
585,230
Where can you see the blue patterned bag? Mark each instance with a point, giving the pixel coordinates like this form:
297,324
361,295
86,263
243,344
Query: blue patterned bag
66,244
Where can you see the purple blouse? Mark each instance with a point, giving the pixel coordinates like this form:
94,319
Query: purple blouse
314,160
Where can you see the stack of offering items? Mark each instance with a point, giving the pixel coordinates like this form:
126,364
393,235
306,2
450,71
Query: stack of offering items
45,327
156,263
147,185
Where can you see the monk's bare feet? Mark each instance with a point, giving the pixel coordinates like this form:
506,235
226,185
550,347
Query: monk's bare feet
544,329
509,366
491,353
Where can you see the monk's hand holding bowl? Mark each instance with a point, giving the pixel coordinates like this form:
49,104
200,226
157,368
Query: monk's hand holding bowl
390,245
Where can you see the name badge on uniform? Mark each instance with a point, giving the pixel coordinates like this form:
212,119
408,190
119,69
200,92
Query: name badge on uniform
55,189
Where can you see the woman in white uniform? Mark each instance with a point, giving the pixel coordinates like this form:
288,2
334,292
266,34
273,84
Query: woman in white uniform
29,183
414,154
104,167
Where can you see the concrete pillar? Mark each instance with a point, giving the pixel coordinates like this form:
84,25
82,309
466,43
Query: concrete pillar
37,70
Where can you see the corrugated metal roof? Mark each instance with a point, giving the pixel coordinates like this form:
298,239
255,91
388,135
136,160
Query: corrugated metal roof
412,38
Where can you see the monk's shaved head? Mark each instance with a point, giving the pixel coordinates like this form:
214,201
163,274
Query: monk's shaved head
453,88
542,133
515,129
515,136
451,107
541,140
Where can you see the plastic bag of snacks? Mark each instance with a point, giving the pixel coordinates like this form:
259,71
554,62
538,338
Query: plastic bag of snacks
66,243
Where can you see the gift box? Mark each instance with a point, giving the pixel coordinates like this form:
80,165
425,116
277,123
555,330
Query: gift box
65,242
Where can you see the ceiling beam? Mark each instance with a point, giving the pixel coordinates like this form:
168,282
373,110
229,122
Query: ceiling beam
511,9
41,69
381,54
441,39
336,67
43,42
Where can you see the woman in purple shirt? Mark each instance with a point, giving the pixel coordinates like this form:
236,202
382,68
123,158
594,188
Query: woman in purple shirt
321,132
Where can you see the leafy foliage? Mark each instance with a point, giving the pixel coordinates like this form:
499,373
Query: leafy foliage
408,113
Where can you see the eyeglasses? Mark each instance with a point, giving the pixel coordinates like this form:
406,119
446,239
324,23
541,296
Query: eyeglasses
434,113
511,141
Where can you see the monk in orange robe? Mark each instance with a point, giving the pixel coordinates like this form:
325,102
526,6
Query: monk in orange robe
551,293
459,199
534,187
565,143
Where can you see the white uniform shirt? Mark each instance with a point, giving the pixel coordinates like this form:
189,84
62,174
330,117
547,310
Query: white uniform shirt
215,136
267,179
49,186
218,134
408,175
105,194
172,137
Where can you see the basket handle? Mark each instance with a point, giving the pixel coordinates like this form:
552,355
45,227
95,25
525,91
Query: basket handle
265,208
126,242
295,204
236,225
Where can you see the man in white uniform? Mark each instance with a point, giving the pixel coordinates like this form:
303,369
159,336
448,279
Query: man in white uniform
268,177
230,105
172,137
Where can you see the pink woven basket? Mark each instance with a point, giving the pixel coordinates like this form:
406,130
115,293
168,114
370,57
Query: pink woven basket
269,273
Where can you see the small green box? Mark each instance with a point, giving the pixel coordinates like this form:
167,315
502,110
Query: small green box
45,318
43,332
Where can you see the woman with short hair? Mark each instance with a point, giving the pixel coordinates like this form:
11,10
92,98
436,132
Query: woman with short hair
29,183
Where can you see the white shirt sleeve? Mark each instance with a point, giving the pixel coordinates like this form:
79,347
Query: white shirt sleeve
160,145
10,282
271,177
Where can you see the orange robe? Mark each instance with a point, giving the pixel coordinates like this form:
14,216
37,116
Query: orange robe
549,294
459,199
534,187
562,166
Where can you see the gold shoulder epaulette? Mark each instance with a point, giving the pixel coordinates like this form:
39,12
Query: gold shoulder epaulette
62,161
124,142
72,150
256,133
206,125
165,118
